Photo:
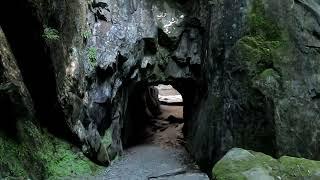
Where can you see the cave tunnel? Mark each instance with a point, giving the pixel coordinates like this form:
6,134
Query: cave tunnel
158,113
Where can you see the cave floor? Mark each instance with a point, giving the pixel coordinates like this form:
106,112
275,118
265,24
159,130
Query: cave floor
150,161
161,156
166,129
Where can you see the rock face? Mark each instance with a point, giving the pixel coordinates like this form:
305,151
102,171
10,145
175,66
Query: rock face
262,80
95,56
16,104
247,71
25,150
249,165
135,45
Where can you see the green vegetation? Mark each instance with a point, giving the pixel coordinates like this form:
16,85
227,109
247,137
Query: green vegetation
298,167
240,163
267,82
39,155
12,157
261,25
92,56
107,138
258,52
62,162
86,34
50,34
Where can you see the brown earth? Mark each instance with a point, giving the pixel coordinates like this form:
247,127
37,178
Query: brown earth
166,129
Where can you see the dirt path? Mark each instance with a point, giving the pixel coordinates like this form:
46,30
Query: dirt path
161,156
166,129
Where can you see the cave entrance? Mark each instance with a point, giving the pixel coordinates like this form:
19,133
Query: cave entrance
156,116
165,124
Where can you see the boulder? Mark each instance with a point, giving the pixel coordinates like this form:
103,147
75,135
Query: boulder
242,164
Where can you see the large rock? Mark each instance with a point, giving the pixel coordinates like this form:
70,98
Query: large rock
16,104
136,44
249,165
261,66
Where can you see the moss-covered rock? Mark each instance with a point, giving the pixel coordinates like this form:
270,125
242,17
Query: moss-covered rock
256,53
39,155
268,82
26,151
249,165
260,24
299,167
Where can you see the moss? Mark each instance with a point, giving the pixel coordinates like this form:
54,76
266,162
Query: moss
256,54
92,56
268,73
230,168
260,24
258,50
18,157
286,168
268,82
39,155
61,161
298,167
107,138
10,164
86,34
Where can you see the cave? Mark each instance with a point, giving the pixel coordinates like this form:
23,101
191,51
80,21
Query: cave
157,113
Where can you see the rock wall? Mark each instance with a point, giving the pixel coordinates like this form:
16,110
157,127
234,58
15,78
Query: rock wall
262,74
131,46
26,150
94,55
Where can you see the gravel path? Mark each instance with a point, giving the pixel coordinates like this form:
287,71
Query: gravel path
155,163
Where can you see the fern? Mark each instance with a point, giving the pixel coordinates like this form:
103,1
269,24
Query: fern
92,56
51,34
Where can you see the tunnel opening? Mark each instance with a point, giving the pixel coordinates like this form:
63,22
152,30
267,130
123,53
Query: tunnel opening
156,116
